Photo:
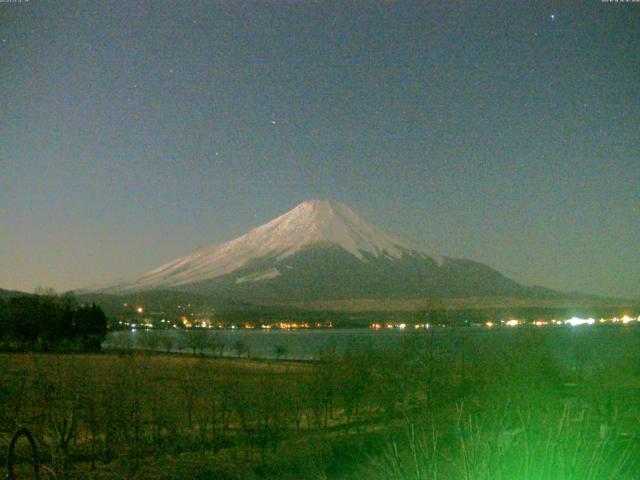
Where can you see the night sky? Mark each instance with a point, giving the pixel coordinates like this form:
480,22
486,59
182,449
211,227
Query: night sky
505,132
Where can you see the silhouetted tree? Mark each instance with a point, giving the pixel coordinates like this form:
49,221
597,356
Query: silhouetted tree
46,323
279,351
196,339
90,327
241,348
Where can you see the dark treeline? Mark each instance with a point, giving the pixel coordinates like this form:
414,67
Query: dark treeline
47,323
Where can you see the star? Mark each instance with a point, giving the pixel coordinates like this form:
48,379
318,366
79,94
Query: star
553,16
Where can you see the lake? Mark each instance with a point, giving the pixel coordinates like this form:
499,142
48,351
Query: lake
568,345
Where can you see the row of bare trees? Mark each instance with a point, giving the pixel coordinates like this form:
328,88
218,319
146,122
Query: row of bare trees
130,406
198,341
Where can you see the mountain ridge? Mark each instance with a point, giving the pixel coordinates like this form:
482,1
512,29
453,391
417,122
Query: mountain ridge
312,222
322,250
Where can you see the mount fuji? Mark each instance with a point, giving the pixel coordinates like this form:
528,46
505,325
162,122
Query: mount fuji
322,250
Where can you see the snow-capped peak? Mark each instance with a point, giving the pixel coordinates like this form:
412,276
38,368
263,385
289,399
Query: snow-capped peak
325,221
311,222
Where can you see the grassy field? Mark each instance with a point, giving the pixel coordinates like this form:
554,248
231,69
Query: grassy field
487,409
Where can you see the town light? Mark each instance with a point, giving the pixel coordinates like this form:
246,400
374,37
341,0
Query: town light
575,321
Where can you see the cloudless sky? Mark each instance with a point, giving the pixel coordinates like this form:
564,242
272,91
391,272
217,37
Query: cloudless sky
506,132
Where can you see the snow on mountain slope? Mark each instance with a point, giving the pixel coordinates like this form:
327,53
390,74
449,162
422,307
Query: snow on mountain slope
256,277
311,222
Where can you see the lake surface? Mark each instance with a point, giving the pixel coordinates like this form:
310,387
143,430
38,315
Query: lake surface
568,345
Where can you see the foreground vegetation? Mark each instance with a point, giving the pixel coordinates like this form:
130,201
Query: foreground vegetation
479,409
